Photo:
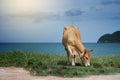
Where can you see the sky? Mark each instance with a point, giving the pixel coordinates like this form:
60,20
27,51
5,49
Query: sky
44,20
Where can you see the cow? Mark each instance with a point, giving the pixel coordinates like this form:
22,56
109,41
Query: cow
72,43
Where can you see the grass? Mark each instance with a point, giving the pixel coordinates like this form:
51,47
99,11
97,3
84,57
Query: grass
56,65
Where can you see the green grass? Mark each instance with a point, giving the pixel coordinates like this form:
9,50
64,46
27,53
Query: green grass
56,65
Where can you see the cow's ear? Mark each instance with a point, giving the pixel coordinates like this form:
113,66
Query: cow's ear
91,50
65,28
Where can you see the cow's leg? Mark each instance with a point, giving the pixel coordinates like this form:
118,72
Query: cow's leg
74,52
68,55
70,49
75,58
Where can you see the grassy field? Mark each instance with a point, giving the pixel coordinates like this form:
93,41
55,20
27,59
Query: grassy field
55,65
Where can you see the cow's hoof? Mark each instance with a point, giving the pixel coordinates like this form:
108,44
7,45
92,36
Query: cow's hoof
73,64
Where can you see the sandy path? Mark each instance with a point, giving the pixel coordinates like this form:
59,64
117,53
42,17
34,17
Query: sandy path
12,73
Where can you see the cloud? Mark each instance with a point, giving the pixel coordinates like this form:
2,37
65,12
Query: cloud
108,2
114,18
95,8
74,12
35,17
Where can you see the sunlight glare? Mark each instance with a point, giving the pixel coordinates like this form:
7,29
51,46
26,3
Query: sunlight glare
20,6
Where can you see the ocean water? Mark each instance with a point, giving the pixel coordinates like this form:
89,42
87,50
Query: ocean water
99,49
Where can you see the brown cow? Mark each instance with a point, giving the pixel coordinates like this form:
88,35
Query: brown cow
73,45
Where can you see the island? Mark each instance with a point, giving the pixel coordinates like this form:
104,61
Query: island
110,38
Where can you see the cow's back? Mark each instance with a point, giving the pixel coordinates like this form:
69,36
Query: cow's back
71,36
68,35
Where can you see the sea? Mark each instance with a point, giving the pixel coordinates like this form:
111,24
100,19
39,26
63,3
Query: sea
99,49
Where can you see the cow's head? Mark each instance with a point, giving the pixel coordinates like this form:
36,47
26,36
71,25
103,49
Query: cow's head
86,57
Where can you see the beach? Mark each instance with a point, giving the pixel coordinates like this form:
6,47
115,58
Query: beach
12,73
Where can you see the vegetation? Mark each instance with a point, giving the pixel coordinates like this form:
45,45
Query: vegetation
56,65
110,38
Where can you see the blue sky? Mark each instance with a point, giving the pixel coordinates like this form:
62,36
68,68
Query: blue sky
44,20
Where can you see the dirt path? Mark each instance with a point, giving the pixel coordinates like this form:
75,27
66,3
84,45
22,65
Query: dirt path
12,73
